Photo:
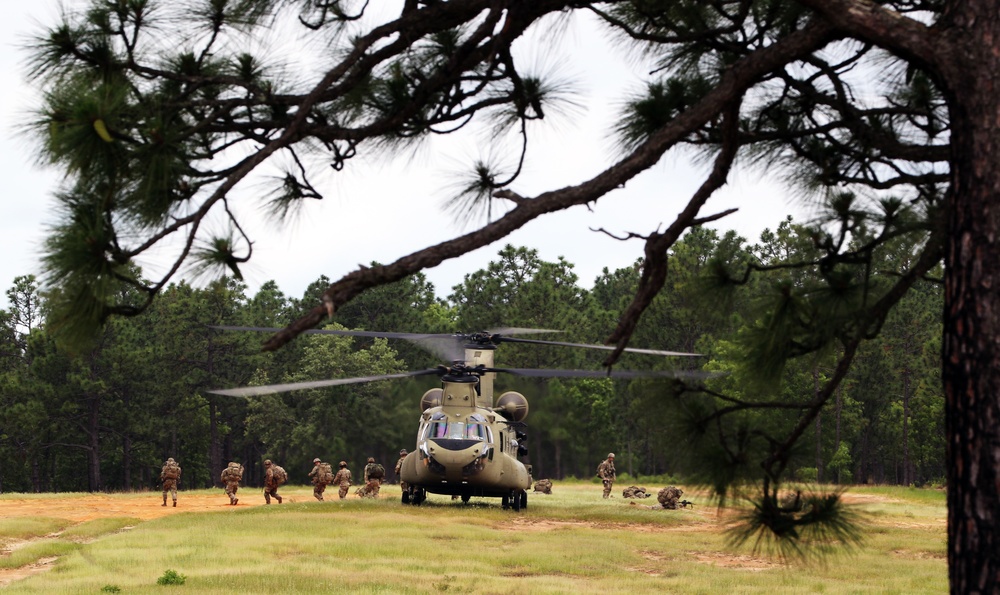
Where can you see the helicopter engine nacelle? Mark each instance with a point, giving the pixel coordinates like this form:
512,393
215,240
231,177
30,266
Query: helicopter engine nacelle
513,405
431,398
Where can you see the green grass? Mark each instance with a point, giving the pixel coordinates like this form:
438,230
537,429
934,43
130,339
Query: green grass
569,542
98,527
18,528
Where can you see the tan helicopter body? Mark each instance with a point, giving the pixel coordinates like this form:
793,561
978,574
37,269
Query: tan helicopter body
465,446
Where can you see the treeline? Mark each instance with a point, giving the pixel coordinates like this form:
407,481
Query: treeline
106,418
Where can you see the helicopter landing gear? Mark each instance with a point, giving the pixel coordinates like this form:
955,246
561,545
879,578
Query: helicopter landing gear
406,496
517,499
418,496
465,498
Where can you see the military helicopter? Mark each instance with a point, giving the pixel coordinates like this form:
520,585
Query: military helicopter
468,444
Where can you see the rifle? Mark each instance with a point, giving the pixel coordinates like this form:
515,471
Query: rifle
686,503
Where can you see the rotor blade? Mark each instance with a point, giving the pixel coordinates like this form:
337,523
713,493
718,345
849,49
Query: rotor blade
268,389
322,331
520,331
678,374
604,347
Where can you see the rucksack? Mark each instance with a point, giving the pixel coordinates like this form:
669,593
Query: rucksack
233,473
279,475
377,471
325,474
171,471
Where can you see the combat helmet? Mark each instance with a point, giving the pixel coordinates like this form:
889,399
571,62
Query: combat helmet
343,463
316,460
611,455
171,460
371,459
402,452
267,463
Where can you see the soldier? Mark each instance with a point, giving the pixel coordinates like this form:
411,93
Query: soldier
374,473
606,471
342,479
274,476
321,475
399,467
170,475
231,476
544,486
635,492
668,497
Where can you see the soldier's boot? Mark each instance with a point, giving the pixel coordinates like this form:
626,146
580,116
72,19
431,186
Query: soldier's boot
267,498
236,501
164,499
175,503
278,497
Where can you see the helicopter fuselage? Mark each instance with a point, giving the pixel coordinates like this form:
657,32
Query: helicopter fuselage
465,448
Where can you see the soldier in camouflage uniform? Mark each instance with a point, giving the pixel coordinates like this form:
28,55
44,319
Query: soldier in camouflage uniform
231,477
606,471
635,492
170,475
669,496
373,479
399,467
273,475
342,479
544,486
320,478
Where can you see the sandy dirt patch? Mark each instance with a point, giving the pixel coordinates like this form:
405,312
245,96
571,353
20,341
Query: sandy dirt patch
88,507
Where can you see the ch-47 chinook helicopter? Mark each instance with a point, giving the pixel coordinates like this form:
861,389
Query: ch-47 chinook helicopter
468,444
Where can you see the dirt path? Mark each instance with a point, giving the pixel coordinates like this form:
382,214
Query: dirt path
97,506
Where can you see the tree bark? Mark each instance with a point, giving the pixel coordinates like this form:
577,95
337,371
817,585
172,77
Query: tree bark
971,345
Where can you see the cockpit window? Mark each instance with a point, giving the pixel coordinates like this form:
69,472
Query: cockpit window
457,430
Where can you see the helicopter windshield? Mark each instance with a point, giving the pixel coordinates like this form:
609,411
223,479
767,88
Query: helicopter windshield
457,430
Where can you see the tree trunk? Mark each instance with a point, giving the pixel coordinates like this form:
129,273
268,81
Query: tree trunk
214,447
907,474
971,342
93,446
819,430
127,462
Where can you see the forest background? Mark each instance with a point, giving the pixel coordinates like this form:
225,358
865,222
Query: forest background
106,418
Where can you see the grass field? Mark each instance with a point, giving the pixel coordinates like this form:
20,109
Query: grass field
569,542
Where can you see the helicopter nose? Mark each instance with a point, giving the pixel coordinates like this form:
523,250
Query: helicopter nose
455,458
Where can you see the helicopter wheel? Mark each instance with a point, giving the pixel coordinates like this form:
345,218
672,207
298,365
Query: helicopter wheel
406,497
419,495
505,502
465,498
515,500
524,500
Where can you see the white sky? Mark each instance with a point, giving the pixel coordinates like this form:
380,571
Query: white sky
386,210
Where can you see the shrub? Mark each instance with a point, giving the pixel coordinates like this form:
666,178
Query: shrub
171,577
111,589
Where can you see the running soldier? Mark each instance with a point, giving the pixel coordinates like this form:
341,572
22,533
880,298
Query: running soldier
342,479
374,474
274,477
322,475
606,471
399,468
170,475
231,477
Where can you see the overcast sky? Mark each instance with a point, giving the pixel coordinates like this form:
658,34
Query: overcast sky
385,210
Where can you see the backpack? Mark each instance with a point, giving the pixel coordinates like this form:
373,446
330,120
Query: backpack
377,471
233,473
171,471
325,474
279,475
